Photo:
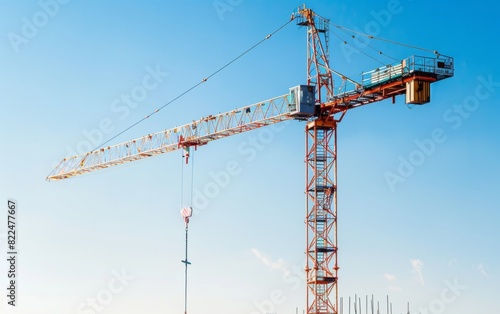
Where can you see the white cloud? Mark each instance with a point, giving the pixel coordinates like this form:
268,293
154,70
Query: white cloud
279,264
389,277
480,267
416,268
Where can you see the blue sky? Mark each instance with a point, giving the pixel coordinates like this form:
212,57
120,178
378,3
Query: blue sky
112,241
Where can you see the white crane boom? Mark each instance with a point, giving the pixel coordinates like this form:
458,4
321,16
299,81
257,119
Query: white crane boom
297,104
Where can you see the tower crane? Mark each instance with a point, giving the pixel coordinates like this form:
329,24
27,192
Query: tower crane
321,109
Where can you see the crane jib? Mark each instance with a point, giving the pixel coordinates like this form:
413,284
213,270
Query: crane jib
297,104
412,76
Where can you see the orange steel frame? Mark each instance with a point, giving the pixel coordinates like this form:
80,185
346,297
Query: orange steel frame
321,163
321,217
380,92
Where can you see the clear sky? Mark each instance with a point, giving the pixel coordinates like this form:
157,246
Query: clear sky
112,241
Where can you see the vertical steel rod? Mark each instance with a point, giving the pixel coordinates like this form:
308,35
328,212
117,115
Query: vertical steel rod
186,272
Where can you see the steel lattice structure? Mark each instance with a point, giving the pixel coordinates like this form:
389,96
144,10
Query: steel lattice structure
196,133
321,160
321,217
314,103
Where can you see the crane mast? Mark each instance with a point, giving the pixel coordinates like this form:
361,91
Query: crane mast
322,109
321,174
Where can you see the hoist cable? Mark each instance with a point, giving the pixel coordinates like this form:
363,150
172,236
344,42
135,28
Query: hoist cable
182,180
196,85
192,180
383,39
368,45
362,52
